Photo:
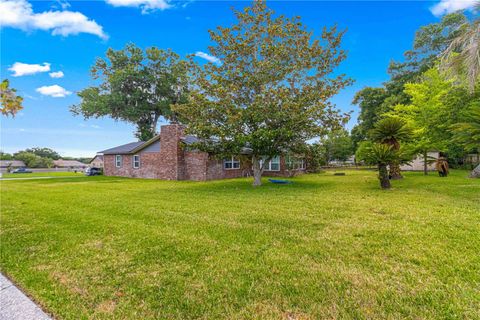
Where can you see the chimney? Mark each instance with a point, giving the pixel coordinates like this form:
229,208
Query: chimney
171,151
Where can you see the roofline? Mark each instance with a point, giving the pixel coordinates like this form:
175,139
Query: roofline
146,144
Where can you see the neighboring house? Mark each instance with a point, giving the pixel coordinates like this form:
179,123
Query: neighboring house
472,158
168,156
418,162
339,163
69,164
97,161
6,165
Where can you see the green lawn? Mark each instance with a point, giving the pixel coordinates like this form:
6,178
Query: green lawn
323,247
42,174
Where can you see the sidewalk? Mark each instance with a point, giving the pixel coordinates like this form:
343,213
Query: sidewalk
14,305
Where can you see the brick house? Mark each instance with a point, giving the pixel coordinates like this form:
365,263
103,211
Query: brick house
167,156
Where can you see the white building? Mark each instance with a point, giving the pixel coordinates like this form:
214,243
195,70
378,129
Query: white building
418,162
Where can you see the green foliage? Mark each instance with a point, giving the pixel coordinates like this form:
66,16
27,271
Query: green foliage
5,156
44,153
315,157
11,103
32,160
462,56
391,131
272,90
427,114
336,145
372,106
137,87
467,132
378,154
430,41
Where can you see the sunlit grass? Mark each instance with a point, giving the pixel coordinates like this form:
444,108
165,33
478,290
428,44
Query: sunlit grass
43,174
323,247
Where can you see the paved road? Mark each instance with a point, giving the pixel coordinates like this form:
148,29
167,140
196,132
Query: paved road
15,305
35,178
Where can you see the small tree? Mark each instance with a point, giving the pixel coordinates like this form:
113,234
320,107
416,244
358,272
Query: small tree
381,155
270,93
135,87
11,102
392,131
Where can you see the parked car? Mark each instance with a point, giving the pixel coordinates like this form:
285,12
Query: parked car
21,170
93,171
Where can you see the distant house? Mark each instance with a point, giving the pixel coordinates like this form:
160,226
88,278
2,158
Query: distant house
6,165
472,158
418,163
169,156
69,164
97,161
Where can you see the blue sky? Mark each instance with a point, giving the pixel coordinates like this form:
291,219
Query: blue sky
39,32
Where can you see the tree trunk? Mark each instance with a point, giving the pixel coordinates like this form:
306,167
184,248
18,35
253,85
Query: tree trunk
257,172
475,172
383,176
425,164
395,172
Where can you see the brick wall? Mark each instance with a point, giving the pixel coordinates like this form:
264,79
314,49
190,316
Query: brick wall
172,162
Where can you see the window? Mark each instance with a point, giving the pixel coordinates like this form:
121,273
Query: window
295,163
118,161
272,165
136,161
231,163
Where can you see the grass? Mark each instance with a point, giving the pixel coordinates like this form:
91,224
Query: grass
323,247
43,174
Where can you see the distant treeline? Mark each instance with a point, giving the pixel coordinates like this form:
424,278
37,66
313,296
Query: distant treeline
38,157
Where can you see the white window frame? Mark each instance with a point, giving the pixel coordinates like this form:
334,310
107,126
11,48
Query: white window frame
118,161
234,162
136,163
269,166
296,163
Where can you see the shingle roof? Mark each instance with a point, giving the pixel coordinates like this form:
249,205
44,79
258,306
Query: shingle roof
125,148
98,156
13,163
188,140
68,163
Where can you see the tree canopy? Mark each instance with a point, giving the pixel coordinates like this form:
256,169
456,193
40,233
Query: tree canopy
11,102
137,87
270,92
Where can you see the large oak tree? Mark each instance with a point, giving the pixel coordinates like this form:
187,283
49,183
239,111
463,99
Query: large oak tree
137,87
270,92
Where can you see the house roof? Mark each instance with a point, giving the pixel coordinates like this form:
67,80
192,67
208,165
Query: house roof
98,156
124,148
68,163
134,147
12,163
188,140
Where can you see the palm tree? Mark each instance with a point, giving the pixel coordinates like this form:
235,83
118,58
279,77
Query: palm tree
391,131
467,133
462,56
381,155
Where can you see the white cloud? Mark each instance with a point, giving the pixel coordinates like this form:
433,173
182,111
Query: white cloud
146,5
58,74
449,6
23,69
207,57
19,14
53,91
94,126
